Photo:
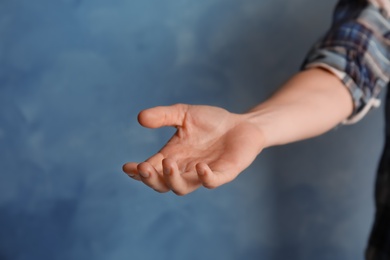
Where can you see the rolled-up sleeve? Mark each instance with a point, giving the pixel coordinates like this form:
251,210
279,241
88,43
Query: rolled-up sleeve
357,50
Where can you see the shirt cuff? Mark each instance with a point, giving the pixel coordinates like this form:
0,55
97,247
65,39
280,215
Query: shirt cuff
355,91
356,50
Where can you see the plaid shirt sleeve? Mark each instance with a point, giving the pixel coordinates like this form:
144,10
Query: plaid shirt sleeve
357,50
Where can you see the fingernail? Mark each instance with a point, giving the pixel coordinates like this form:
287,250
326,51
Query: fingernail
130,175
144,174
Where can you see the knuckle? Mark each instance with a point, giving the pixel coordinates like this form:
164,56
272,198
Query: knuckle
142,166
179,193
180,105
210,186
182,108
161,190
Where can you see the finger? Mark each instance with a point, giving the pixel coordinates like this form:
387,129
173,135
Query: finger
163,116
180,184
156,161
150,177
212,179
131,170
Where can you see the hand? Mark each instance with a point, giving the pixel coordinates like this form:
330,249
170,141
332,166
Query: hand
210,147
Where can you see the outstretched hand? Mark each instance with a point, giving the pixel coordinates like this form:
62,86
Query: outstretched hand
210,148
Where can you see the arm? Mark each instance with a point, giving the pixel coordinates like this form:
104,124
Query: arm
309,104
213,146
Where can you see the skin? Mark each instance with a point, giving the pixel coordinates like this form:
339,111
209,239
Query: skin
212,146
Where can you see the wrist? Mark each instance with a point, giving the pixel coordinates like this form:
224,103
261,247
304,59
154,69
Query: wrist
262,121
252,120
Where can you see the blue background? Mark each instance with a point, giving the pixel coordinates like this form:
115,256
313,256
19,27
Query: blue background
75,73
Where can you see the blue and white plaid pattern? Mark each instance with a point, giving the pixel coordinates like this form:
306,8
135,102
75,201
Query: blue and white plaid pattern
357,50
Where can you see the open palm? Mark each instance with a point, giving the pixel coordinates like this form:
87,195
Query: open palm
210,147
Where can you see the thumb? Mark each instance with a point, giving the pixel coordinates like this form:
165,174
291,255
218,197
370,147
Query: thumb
163,116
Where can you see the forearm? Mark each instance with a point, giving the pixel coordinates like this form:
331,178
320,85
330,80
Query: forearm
309,104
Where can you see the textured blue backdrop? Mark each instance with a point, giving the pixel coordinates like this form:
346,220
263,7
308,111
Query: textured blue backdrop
75,73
